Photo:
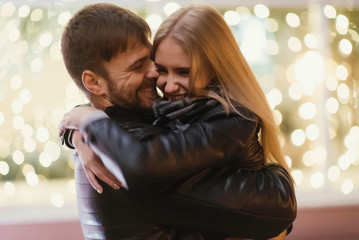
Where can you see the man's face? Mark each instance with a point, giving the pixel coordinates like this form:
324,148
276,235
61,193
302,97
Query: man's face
132,79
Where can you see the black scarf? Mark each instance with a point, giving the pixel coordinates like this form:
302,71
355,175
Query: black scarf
178,115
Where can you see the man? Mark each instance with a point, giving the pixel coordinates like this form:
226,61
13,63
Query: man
106,51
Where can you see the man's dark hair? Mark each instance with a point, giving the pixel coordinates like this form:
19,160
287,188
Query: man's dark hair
96,34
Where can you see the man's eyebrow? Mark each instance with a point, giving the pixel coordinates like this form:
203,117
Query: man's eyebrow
138,61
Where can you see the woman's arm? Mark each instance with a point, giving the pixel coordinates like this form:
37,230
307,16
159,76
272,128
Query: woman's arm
92,165
167,158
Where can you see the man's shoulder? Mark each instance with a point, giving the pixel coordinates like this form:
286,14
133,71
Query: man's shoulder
122,115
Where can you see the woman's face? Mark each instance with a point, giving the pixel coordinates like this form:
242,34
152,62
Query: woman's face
173,66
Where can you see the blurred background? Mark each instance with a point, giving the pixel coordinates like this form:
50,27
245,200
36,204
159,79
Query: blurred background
304,53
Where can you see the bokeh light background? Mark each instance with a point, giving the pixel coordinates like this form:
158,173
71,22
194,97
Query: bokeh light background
304,53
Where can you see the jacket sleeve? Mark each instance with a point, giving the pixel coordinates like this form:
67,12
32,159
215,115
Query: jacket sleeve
224,197
164,160
230,203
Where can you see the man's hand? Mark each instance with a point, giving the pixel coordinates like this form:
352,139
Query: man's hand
73,118
93,165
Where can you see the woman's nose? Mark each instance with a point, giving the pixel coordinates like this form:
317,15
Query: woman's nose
171,85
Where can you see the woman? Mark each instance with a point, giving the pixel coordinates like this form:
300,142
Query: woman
203,71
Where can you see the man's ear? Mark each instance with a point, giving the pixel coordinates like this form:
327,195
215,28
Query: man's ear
93,82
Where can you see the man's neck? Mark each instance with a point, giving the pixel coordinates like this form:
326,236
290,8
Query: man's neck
99,102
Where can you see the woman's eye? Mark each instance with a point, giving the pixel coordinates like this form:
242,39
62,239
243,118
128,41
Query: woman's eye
184,73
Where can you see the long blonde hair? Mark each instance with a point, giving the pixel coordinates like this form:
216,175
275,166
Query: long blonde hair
211,47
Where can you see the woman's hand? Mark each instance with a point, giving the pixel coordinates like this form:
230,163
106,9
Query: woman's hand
93,165
74,118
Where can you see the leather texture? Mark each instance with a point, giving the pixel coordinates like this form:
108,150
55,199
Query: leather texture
210,177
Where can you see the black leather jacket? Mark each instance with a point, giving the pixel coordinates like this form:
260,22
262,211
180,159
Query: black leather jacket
201,179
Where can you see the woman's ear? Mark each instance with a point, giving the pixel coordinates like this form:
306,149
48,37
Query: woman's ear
93,82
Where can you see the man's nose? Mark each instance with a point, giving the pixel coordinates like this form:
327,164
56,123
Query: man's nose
152,72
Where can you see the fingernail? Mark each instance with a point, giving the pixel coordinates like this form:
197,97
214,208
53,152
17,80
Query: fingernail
116,186
99,191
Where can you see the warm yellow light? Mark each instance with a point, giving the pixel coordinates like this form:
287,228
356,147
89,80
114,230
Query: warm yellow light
295,91
333,173
351,141
316,156
344,162
53,150
308,158
32,179
36,65
274,97
311,41
42,134
154,21
8,9
63,18
18,122
16,82
341,72
278,116
24,11
298,137
25,96
171,7
297,176
332,105
272,47
343,92
293,20
18,157
14,35
243,11
307,110
317,180
288,160
4,168
271,25
29,145
16,106
310,70
232,18
330,11
345,46
27,168
57,200
9,188
294,44
261,11
36,15
347,186
45,39
331,83
45,159
312,132
342,24
4,148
